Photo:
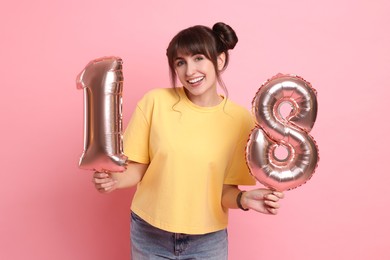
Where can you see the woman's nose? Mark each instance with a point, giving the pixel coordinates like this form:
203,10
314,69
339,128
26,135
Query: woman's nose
190,69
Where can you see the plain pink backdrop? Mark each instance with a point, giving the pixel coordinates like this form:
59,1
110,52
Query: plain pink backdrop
49,208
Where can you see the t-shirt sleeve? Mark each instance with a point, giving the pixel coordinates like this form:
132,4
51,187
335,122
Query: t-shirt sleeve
136,136
238,172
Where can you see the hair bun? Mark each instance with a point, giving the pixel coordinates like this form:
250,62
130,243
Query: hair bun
226,35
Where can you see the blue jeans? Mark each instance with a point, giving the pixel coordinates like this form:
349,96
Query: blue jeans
148,243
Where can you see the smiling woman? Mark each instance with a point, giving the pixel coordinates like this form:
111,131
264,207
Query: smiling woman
199,78
175,156
203,40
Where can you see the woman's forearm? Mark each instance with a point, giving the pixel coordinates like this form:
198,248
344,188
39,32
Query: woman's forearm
229,196
131,176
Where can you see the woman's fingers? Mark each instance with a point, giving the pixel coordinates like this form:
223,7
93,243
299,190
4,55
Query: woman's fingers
101,175
278,194
103,182
272,211
105,187
271,201
272,204
272,197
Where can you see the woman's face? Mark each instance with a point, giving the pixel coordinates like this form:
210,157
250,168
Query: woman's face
197,75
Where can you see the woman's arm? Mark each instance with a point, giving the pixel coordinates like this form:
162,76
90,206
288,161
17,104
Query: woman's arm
229,196
261,200
107,182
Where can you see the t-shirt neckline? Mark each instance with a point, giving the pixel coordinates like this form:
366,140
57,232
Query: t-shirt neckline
200,108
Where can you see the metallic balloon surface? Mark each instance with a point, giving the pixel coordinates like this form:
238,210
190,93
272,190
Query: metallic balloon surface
291,132
102,82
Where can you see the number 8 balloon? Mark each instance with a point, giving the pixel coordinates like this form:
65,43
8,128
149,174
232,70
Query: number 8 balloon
291,132
102,82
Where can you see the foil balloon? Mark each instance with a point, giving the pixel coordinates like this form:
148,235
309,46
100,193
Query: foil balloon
102,82
291,132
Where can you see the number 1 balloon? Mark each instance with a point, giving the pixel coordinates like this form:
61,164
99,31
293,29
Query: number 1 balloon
102,82
291,132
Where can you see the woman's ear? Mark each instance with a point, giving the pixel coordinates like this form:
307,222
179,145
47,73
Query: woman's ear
221,60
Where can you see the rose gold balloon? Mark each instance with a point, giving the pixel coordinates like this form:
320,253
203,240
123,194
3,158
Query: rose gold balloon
102,82
274,131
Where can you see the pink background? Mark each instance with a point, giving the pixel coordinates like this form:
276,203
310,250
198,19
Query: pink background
49,208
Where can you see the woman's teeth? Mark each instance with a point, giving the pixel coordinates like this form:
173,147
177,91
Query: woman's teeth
192,81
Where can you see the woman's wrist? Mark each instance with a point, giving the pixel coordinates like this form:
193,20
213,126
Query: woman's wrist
239,201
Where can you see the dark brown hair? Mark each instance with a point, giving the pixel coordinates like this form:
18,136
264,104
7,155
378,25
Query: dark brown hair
201,39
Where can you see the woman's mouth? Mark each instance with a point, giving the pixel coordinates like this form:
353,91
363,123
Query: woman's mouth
195,81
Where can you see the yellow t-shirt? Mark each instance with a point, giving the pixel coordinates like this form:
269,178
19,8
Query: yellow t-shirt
191,151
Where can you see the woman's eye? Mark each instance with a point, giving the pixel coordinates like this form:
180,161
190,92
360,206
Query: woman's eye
179,63
199,58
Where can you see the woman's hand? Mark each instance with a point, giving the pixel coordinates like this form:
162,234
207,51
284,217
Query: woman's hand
262,200
104,182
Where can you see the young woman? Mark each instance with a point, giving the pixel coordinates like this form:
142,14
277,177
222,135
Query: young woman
186,150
